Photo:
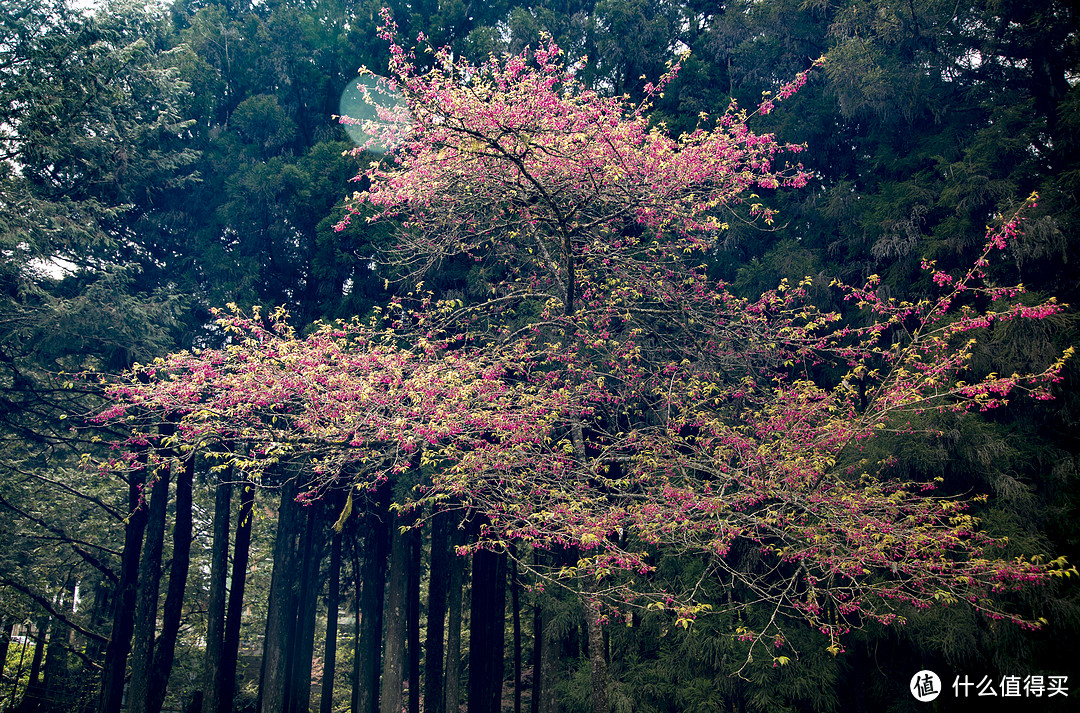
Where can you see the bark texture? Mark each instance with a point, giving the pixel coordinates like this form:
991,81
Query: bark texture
486,638
216,599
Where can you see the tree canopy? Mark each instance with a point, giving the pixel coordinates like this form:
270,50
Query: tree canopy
608,397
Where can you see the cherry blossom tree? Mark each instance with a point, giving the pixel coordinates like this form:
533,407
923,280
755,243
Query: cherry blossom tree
605,397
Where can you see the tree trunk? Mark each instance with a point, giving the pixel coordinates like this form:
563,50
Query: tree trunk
41,630
332,604
230,649
165,648
57,684
453,626
549,664
33,697
537,657
146,605
438,581
515,607
215,615
18,674
393,671
371,605
116,653
486,633
6,628
281,607
597,658
412,616
358,652
299,689
100,615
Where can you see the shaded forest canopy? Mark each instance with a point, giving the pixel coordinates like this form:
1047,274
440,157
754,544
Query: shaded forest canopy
160,161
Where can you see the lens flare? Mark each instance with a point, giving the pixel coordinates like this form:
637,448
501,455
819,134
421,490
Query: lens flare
374,116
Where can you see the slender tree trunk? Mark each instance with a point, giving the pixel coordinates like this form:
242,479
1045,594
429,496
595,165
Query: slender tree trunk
515,600
41,636
230,649
438,582
307,607
332,605
100,616
486,634
57,684
597,657
537,654
281,607
412,616
146,605
549,664
453,626
116,653
18,674
358,652
165,648
34,695
215,615
393,671
371,609
6,627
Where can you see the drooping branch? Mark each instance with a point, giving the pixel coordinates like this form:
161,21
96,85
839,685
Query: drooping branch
52,611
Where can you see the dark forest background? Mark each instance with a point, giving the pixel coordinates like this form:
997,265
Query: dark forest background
159,160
